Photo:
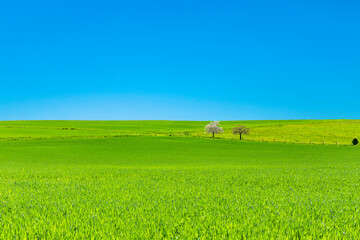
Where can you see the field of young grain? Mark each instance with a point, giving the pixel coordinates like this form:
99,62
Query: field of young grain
92,185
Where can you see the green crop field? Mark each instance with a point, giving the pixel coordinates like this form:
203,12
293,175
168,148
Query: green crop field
295,131
169,180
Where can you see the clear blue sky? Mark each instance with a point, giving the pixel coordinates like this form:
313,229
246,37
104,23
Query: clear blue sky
191,60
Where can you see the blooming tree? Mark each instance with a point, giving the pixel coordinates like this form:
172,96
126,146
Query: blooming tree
213,127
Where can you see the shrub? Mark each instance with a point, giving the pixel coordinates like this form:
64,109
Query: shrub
355,141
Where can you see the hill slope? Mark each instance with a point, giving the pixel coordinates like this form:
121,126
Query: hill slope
296,131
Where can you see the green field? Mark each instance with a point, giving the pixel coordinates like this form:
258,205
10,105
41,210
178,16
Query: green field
132,180
295,131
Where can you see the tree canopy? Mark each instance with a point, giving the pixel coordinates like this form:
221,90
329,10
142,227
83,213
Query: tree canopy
239,129
213,127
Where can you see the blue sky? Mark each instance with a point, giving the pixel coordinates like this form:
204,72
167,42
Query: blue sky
188,60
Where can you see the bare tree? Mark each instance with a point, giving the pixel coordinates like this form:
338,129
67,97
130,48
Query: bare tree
238,129
213,127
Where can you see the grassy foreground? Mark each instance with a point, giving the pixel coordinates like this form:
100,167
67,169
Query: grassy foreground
176,187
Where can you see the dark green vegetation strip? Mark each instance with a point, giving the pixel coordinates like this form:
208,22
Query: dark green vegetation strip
169,187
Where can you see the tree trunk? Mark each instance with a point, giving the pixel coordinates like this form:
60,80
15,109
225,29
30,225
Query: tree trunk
240,136
213,135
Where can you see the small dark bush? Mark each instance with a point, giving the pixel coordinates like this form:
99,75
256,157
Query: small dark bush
355,141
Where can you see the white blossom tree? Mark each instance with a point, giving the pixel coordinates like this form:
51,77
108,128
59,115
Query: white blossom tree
213,127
